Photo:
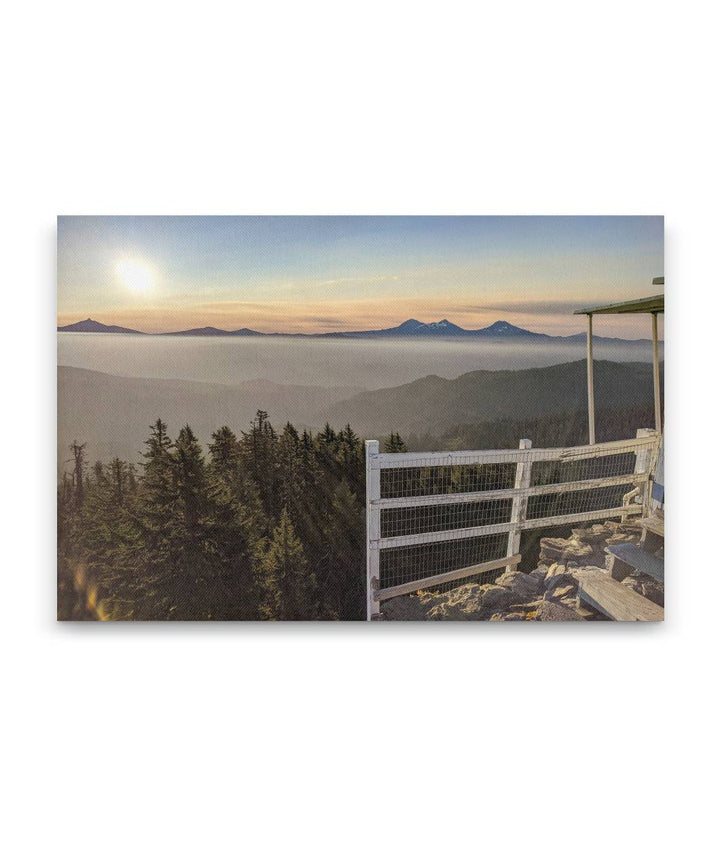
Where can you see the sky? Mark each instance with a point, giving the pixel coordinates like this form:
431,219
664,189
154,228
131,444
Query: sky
319,274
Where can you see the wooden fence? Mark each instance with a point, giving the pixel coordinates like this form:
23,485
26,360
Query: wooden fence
429,511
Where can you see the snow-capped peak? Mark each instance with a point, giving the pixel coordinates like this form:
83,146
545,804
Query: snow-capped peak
501,327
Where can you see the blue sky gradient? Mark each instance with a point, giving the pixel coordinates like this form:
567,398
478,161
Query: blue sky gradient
305,274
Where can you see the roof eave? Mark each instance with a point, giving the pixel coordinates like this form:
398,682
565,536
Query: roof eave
647,305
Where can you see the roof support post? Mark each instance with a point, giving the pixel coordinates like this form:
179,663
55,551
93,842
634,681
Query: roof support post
656,373
591,382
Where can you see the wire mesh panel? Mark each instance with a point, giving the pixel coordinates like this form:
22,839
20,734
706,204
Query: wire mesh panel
405,564
576,502
395,522
452,513
432,480
558,472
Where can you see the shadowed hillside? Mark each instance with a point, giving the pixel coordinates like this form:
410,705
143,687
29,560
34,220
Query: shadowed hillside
434,404
110,413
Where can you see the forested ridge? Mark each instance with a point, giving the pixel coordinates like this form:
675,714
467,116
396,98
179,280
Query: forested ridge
267,525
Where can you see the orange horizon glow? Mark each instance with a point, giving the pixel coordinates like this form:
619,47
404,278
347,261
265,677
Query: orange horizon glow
330,318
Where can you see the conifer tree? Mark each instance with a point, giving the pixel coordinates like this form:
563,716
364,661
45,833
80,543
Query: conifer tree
224,454
190,481
343,588
287,584
157,507
235,524
258,455
78,450
394,443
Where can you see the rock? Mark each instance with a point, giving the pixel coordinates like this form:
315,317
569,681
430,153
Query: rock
594,538
461,603
407,607
552,549
548,610
540,573
633,528
554,571
560,592
404,608
593,529
497,597
560,581
563,550
621,538
471,602
523,586
578,571
647,587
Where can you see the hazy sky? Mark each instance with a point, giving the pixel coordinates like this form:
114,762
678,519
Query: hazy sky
304,274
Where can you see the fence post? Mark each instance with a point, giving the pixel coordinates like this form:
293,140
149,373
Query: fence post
372,524
643,459
519,506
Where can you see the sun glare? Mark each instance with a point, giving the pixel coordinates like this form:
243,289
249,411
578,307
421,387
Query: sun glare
135,275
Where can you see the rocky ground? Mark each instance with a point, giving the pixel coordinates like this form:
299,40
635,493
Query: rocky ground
547,593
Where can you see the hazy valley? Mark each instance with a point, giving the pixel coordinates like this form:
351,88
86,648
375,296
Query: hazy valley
112,414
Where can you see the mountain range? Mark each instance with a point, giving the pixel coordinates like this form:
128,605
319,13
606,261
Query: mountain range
412,328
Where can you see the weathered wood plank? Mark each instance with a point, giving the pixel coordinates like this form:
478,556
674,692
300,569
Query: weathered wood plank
580,517
447,577
615,600
509,493
523,474
443,535
402,460
618,569
654,524
639,559
643,460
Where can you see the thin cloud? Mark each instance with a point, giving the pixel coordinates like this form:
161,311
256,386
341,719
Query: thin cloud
353,280
526,307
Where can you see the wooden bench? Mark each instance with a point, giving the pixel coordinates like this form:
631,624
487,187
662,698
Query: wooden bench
613,599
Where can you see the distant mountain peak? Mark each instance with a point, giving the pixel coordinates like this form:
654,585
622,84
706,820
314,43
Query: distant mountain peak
504,327
89,325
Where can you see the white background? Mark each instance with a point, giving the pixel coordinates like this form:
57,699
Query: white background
358,739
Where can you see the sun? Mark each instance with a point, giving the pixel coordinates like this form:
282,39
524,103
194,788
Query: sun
135,275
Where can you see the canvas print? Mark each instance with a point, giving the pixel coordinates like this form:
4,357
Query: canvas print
360,418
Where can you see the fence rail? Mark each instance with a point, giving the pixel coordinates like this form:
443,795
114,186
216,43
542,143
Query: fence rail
438,517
